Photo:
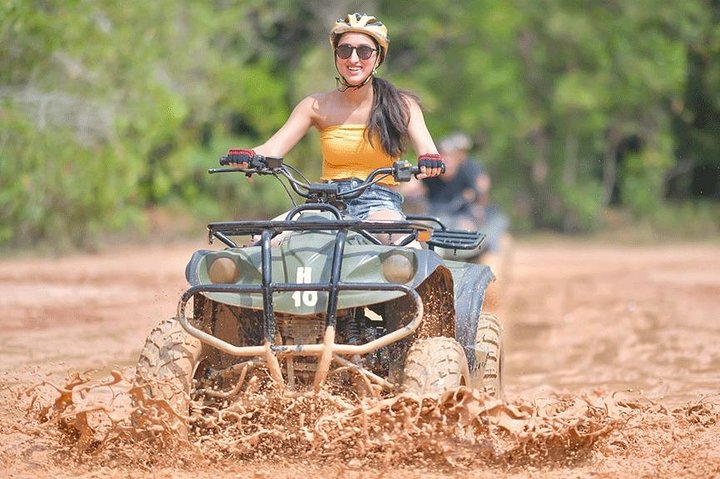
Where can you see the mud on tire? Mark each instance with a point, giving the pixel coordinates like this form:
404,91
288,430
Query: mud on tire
167,365
434,365
488,340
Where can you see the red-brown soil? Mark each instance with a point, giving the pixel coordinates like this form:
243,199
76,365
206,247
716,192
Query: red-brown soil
612,370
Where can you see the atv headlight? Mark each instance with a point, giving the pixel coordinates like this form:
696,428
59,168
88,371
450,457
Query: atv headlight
223,270
398,268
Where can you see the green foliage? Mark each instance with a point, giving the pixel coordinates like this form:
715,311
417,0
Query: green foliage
642,182
226,195
54,190
107,108
582,209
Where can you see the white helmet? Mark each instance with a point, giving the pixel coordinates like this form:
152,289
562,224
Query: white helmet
362,23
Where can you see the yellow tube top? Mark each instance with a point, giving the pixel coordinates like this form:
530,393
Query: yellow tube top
347,153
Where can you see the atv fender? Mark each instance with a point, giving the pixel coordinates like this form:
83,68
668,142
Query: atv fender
470,285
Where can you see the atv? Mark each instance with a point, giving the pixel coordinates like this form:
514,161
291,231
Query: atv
317,300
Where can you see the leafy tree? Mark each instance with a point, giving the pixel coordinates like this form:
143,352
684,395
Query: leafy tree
107,108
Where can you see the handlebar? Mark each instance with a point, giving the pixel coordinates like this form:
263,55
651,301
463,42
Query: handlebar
401,171
330,197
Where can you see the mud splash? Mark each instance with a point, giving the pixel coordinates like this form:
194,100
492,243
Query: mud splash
94,424
620,341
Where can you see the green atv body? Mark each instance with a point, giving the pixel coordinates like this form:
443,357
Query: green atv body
317,298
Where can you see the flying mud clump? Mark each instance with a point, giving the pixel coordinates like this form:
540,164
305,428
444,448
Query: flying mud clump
98,422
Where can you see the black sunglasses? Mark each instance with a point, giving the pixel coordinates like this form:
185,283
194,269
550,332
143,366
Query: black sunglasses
364,52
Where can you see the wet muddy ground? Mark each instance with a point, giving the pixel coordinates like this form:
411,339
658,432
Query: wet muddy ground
612,370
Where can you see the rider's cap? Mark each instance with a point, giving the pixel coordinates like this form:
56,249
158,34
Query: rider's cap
455,142
362,23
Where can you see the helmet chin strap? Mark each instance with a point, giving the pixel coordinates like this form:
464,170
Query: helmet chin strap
342,84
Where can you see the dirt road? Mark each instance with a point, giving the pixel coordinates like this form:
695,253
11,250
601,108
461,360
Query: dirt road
612,349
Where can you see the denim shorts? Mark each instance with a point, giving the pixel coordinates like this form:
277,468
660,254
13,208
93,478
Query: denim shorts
375,197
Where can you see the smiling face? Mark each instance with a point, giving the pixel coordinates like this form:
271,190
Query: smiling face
354,69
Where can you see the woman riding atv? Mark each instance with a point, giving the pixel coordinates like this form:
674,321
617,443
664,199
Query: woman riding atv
330,302
365,123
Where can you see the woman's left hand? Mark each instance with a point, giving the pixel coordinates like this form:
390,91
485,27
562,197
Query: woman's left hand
431,164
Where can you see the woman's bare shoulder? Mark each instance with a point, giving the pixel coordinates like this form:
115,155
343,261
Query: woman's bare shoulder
321,107
319,97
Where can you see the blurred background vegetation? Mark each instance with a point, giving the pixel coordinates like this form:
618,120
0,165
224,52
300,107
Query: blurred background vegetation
587,114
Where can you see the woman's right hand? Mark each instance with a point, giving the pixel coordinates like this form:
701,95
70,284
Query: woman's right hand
240,156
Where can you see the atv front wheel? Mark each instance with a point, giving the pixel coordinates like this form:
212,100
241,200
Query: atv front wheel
166,368
435,365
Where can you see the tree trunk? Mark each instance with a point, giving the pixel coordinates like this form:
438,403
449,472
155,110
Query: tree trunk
609,177
540,170
569,176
